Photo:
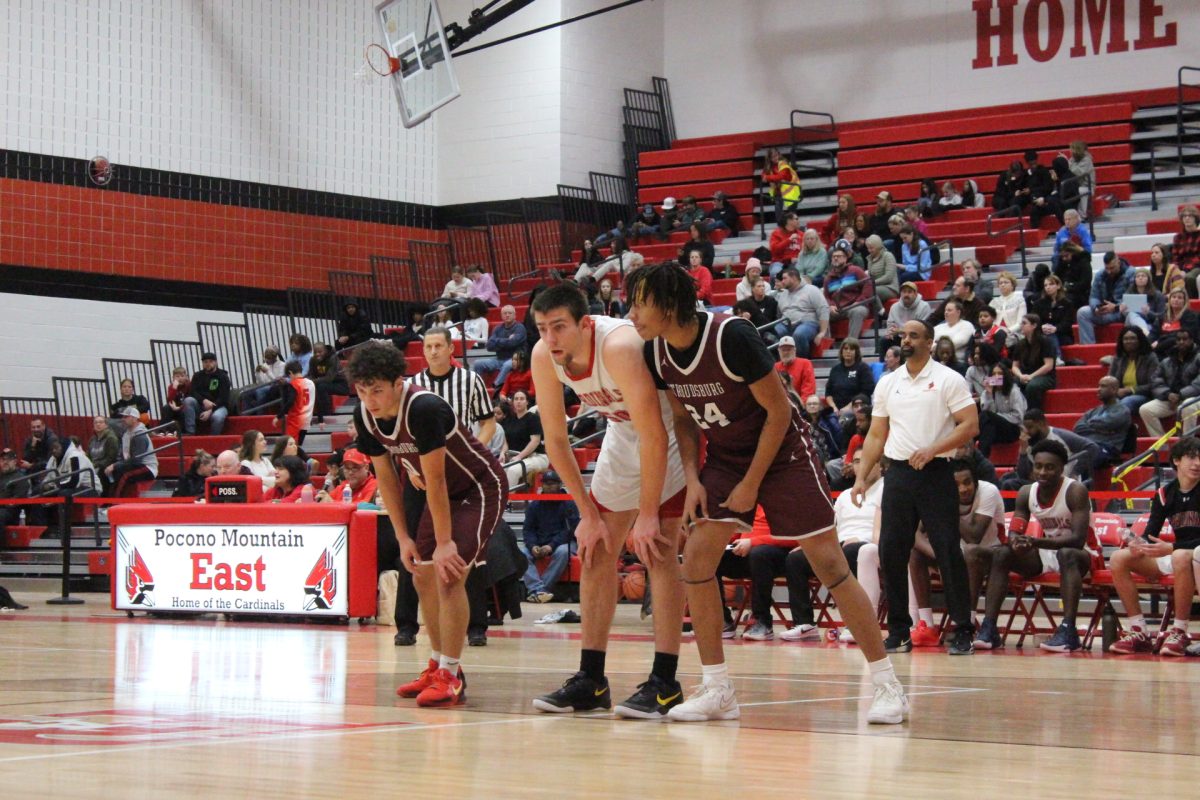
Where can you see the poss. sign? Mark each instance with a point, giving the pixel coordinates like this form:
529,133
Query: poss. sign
233,568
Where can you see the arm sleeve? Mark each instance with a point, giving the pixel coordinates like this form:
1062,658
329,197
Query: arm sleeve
1158,515
744,351
367,444
648,355
431,420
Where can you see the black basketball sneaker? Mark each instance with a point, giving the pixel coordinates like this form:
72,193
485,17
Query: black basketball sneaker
652,700
578,693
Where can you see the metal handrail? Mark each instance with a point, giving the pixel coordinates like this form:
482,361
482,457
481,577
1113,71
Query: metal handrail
1018,225
937,246
1179,126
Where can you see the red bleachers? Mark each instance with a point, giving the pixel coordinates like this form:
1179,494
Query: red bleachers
1080,377
697,155
1162,226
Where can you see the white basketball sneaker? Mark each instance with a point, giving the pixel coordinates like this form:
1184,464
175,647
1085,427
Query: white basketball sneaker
708,701
890,706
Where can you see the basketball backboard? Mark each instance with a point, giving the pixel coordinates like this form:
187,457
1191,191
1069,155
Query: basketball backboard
413,33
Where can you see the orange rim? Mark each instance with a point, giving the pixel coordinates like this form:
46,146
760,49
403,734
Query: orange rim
382,62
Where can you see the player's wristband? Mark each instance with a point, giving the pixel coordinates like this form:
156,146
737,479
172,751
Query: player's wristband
1017,526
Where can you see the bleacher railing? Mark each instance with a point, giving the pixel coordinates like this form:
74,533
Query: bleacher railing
1182,105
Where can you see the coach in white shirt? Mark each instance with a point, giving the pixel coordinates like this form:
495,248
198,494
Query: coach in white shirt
922,413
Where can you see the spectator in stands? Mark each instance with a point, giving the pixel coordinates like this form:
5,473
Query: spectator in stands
475,326
1176,317
549,532
1176,379
690,214
862,227
138,461
267,377
483,285
285,446
911,306
972,197
228,463
353,327
1156,301
697,243
785,244
1107,424
840,471
191,483
803,310
14,486
1185,247
813,260
253,456
745,287
291,482
36,452
606,303
799,370
946,354
1033,361
783,184
1009,304
647,224
71,471
1001,409
1134,366
764,302
888,362
458,287
848,290
858,245
881,266
1055,311
702,276
912,218
1061,505
917,263
129,398
356,474
668,221
892,241
1008,199
325,371
955,327
950,199
1039,187
841,219
983,359
209,401
301,348
878,224
989,332
519,379
927,198
973,275
1105,305
1174,505
749,312
1036,284
849,377
1073,230
1066,187
179,388
104,448
506,339
1081,452
722,216
523,431
1084,170
297,398
590,260
1074,269
1163,273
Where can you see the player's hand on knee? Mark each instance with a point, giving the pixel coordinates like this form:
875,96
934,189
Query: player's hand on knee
648,540
409,558
590,534
695,505
448,563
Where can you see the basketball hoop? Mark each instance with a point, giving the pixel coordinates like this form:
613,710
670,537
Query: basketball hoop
380,61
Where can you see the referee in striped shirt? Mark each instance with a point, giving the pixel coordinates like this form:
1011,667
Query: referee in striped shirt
467,394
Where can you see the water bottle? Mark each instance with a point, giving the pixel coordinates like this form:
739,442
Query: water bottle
347,494
1108,626
306,494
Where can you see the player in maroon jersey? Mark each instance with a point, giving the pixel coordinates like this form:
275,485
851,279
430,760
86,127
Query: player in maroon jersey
404,427
721,381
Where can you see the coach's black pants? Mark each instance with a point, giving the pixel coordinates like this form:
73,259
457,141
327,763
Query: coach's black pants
928,496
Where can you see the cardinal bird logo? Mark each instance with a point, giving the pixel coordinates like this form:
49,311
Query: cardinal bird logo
138,581
321,586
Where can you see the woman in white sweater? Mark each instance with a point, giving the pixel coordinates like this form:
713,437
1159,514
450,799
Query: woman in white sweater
1009,304
955,328
253,457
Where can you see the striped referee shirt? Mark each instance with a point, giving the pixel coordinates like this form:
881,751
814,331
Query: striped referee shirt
465,391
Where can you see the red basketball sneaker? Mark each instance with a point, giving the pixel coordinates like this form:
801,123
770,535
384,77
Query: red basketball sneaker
1135,640
925,636
1175,643
414,688
444,690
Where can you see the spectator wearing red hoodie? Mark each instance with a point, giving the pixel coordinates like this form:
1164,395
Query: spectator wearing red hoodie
785,243
702,276
804,379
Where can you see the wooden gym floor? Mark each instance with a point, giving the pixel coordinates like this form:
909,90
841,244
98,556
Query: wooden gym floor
95,705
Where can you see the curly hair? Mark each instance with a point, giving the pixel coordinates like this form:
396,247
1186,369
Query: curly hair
666,286
377,361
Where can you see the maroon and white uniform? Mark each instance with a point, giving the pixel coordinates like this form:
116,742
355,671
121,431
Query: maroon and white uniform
712,381
475,481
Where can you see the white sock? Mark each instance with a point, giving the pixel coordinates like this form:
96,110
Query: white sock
449,664
926,615
714,673
1182,624
1138,622
436,656
912,603
881,672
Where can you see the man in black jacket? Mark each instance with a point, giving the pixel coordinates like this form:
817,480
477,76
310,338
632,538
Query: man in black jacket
1039,186
325,372
354,326
723,216
209,400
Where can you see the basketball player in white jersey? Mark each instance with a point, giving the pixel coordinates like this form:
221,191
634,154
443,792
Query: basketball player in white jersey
1062,508
637,491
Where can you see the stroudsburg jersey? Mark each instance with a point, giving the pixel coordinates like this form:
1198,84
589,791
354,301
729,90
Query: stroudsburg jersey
712,380
1178,510
425,423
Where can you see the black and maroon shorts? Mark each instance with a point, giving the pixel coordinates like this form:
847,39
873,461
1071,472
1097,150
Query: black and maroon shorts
794,497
